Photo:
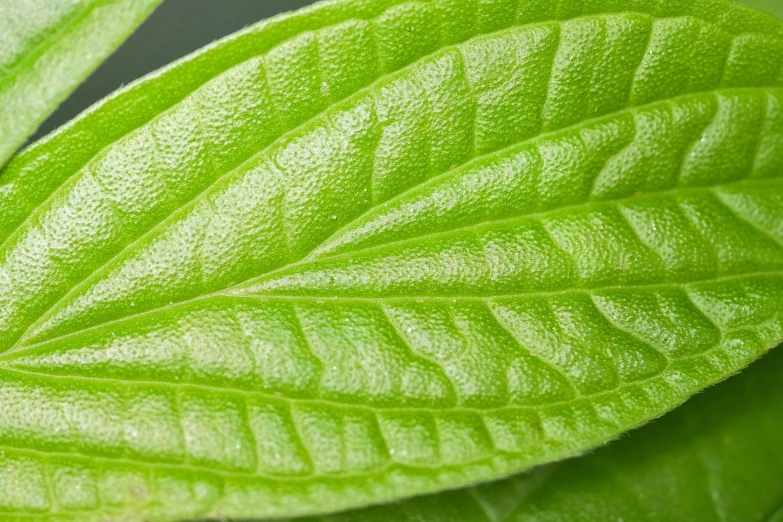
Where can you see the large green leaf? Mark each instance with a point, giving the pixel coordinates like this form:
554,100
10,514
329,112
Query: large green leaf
47,47
413,246
717,459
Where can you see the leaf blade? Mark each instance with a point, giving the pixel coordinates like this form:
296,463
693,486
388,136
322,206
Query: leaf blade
50,50
280,364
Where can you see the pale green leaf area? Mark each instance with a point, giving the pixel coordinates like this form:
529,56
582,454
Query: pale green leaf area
47,48
380,248
771,6
716,459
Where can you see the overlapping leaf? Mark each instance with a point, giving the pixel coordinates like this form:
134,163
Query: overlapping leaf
47,48
419,245
771,6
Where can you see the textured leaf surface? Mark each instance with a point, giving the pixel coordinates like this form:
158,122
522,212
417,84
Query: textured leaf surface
418,246
716,459
47,47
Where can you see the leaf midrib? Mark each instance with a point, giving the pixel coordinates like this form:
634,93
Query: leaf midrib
375,408
395,299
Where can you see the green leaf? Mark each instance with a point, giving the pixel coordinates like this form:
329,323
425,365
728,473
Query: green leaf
414,246
718,458
47,48
772,6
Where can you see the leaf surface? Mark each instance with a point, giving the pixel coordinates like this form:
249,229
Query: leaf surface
47,48
771,6
716,459
419,246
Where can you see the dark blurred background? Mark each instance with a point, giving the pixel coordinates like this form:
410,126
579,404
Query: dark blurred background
179,27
